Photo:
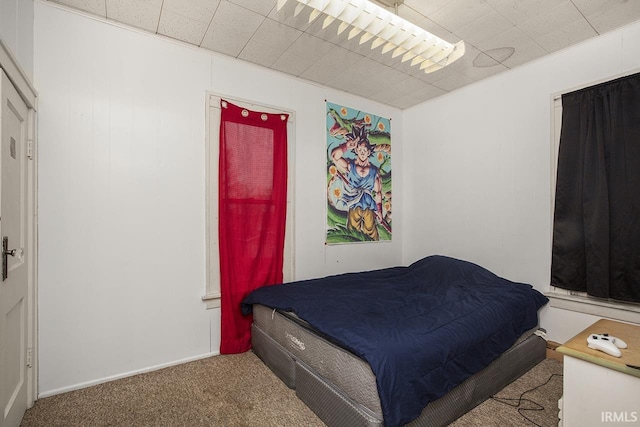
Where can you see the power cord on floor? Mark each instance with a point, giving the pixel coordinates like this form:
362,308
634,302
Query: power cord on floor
519,400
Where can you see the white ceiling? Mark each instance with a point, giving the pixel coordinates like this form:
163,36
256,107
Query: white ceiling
499,34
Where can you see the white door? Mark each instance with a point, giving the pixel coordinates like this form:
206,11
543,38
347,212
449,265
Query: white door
13,228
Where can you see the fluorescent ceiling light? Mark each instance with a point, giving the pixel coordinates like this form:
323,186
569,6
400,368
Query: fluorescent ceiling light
394,34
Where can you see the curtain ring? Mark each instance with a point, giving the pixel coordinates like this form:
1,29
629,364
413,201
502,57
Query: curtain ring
264,117
245,113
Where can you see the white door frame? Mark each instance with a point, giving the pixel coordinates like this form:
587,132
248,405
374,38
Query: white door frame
25,88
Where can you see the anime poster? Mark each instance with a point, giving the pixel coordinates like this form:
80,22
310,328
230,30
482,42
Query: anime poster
358,176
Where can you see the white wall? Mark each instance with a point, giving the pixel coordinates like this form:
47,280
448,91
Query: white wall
478,164
121,191
122,194
16,31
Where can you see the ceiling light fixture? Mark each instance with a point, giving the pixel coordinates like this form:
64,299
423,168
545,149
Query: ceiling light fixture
394,34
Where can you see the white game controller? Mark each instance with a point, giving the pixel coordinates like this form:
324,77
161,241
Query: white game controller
608,344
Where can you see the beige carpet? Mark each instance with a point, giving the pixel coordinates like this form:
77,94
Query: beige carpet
531,400
239,390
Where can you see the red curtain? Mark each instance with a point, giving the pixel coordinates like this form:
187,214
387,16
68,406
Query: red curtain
252,213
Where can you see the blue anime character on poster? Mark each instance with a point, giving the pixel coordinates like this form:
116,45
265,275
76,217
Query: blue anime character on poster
358,176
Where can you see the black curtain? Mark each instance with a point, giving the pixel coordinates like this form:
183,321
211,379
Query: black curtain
596,230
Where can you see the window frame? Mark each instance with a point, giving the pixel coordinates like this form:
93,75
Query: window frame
564,298
212,292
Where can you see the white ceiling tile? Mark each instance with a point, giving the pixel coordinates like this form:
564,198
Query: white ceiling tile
269,42
97,7
432,77
231,28
332,68
483,28
144,14
151,3
478,73
385,99
181,28
524,47
525,52
411,99
373,77
382,76
360,72
474,67
197,10
519,11
466,60
566,36
400,88
286,16
391,86
302,54
423,7
591,7
388,60
514,37
275,33
325,65
401,103
559,16
616,14
458,13
498,34
435,76
263,7
259,53
452,81
356,72
425,23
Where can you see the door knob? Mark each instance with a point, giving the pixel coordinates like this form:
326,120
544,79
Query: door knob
15,253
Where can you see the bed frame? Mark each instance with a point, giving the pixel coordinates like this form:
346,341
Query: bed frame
341,388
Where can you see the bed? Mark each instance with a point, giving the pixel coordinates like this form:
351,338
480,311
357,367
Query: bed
416,345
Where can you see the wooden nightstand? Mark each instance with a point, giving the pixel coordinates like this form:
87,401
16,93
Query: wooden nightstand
600,389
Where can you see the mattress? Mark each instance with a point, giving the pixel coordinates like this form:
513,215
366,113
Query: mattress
423,328
341,387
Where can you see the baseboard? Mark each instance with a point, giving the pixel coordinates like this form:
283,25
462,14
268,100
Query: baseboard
551,351
124,375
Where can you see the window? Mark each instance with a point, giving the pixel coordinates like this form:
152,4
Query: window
212,288
596,234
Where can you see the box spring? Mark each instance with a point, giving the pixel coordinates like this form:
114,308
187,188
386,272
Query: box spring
341,388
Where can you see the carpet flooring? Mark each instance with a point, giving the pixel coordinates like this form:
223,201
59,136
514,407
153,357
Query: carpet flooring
239,390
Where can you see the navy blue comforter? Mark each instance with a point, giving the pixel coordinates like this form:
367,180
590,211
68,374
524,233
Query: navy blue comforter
423,328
